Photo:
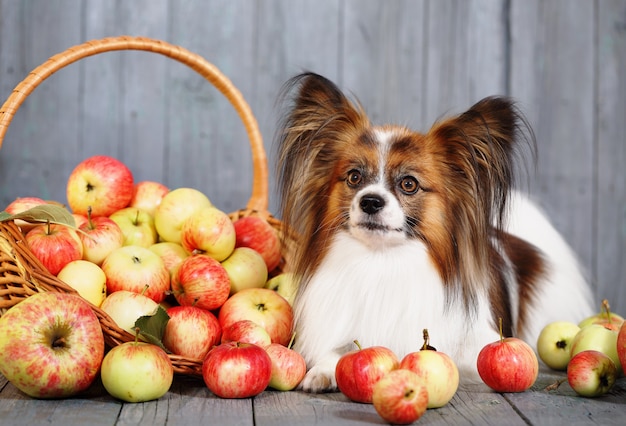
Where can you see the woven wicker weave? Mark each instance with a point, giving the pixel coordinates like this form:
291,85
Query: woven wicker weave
21,273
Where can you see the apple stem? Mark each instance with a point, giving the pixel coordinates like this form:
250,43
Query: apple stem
137,330
49,226
607,309
500,327
89,221
555,385
145,288
358,345
426,346
293,338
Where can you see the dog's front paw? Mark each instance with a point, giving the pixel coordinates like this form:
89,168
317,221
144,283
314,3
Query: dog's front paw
319,379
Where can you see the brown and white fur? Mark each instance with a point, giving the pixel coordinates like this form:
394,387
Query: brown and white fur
402,231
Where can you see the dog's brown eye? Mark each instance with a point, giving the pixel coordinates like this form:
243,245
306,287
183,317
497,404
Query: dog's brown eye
409,185
354,178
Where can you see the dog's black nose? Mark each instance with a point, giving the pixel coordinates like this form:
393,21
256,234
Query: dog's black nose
371,203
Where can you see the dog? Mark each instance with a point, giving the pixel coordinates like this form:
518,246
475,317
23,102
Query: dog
400,231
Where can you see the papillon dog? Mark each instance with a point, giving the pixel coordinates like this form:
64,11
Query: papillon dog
400,231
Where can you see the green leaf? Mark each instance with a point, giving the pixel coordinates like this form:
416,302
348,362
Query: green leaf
152,327
42,214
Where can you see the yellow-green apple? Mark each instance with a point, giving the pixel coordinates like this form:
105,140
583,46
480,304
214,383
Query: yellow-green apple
554,343
137,269
248,332
126,307
358,371
137,372
591,373
137,226
172,254
209,231
263,306
87,278
288,367
175,208
598,337
191,331
100,236
400,397
284,284
147,195
257,233
101,182
604,317
21,204
51,345
508,364
246,269
54,245
437,370
200,281
237,370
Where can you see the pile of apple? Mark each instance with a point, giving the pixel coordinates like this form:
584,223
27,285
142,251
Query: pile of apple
137,251
592,351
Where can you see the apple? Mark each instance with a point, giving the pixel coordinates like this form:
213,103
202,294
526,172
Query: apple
288,366
172,254
248,332
100,236
201,281
209,231
256,233
400,397
51,345
21,204
554,343
246,269
437,370
191,332
237,370
284,284
265,307
175,208
598,337
604,317
79,220
621,344
87,278
101,182
358,371
508,364
147,195
126,307
137,372
134,268
54,245
137,226
591,373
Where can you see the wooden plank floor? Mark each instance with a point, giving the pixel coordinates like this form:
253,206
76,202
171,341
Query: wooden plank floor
189,402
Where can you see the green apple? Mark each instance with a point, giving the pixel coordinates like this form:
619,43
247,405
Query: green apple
246,268
125,307
599,338
554,343
605,316
284,284
87,278
174,209
137,372
137,226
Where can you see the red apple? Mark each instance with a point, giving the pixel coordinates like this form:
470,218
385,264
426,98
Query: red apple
263,306
200,281
237,370
246,331
51,345
54,245
246,269
358,371
137,269
101,182
136,225
508,364
191,332
288,367
176,206
20,205
100,237
257,233
621,344
400,397
591,373
209,231
147,195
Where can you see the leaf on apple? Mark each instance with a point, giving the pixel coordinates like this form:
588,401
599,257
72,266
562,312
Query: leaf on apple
42,214
152,327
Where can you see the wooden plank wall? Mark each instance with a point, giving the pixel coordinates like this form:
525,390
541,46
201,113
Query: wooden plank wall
408,61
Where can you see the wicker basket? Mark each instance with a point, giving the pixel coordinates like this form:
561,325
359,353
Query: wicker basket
21,273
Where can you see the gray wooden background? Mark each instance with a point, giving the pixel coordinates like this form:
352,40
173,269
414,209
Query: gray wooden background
408,61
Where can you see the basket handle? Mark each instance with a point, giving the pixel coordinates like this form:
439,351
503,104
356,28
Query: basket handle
258,199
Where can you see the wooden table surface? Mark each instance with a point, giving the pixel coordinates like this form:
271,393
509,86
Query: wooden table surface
189,402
